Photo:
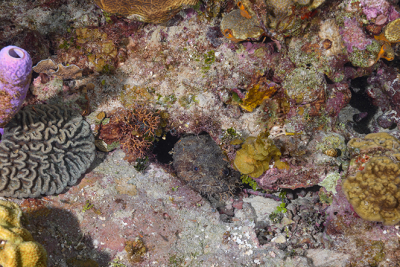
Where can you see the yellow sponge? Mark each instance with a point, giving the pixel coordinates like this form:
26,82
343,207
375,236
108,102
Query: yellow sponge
17,247
255,155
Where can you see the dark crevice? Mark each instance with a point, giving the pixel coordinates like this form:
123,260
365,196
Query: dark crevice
361,101
162,148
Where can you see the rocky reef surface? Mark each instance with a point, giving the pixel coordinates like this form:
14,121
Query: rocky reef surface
298,105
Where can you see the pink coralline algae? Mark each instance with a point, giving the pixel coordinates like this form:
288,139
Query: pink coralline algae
379,8
353,35
385,85
297,176
338,97
15,75
373,8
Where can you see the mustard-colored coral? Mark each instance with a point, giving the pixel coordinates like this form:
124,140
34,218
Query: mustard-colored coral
375,192
256,96
255,155
154,11
373,183
101,50
389,35
376,140
17,247
392,31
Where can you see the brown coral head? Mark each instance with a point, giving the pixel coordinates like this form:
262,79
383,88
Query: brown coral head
153,11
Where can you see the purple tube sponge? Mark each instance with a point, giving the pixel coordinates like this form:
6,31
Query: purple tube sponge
15,76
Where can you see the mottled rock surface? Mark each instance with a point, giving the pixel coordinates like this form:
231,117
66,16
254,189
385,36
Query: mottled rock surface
200,163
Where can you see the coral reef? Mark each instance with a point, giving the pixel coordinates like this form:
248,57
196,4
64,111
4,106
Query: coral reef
200,163
374,9
15,76
147,11
330,34
255,155
44,149
372,185
134,130
17,247
308,160
307,71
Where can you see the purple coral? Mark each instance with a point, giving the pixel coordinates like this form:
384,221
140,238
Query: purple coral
353,35
373,8
384,88
15,75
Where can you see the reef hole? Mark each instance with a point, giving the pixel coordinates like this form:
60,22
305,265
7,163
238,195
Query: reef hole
361,101
162,148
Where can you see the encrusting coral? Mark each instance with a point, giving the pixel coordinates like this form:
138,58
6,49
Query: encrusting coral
389,35
15,76
144,10
44,149
373,184
255,155
17,247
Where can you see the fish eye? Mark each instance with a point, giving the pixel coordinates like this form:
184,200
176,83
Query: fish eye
195,168
226,172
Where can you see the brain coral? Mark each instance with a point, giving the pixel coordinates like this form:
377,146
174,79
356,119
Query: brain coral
373,183
144,10
44,149
17,247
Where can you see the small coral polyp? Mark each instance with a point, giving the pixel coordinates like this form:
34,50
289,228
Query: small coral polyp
373,184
